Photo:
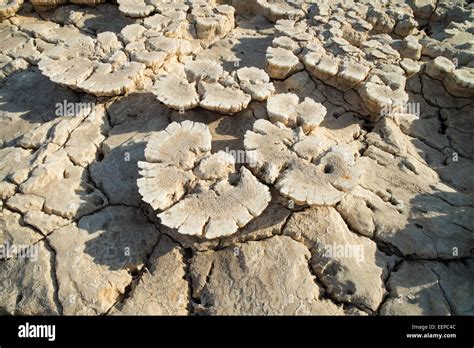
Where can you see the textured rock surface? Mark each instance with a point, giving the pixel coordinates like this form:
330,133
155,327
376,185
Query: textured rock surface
27,285
232,281
108,246
430,288
350,266
332,174
162,288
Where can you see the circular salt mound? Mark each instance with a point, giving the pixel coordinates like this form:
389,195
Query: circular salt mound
192,187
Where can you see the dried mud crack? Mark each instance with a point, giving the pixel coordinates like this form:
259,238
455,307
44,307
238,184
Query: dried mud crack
232,157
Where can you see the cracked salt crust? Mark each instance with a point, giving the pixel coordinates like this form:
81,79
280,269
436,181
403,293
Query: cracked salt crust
394,184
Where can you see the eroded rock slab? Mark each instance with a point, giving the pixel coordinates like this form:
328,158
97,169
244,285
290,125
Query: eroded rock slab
27,284
108,246
354,118
162,288
233,280
350,266
430,288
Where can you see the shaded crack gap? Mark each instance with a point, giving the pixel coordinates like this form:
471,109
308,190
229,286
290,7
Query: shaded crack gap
391,250
91,181
434,11
78,219
197,307
24,224
135,281
258,239
345,104
320,284
387,293
187,254
454,205
307,244
444,124
425,142
106,106
61,147
53,262
451,309
430,103
54,276
283,226
456,148
399,264
326,294
382,246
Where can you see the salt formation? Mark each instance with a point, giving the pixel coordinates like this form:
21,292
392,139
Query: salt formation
212,23
271,9
460,82
280,156
8,8
223,99
46,4
344,73
281,63
203,70
354,117
119,64
194,189
204,83
176,93
101,79
285,108
255,82
201,20
134,8
73,62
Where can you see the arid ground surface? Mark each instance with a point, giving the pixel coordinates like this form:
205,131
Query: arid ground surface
304,157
